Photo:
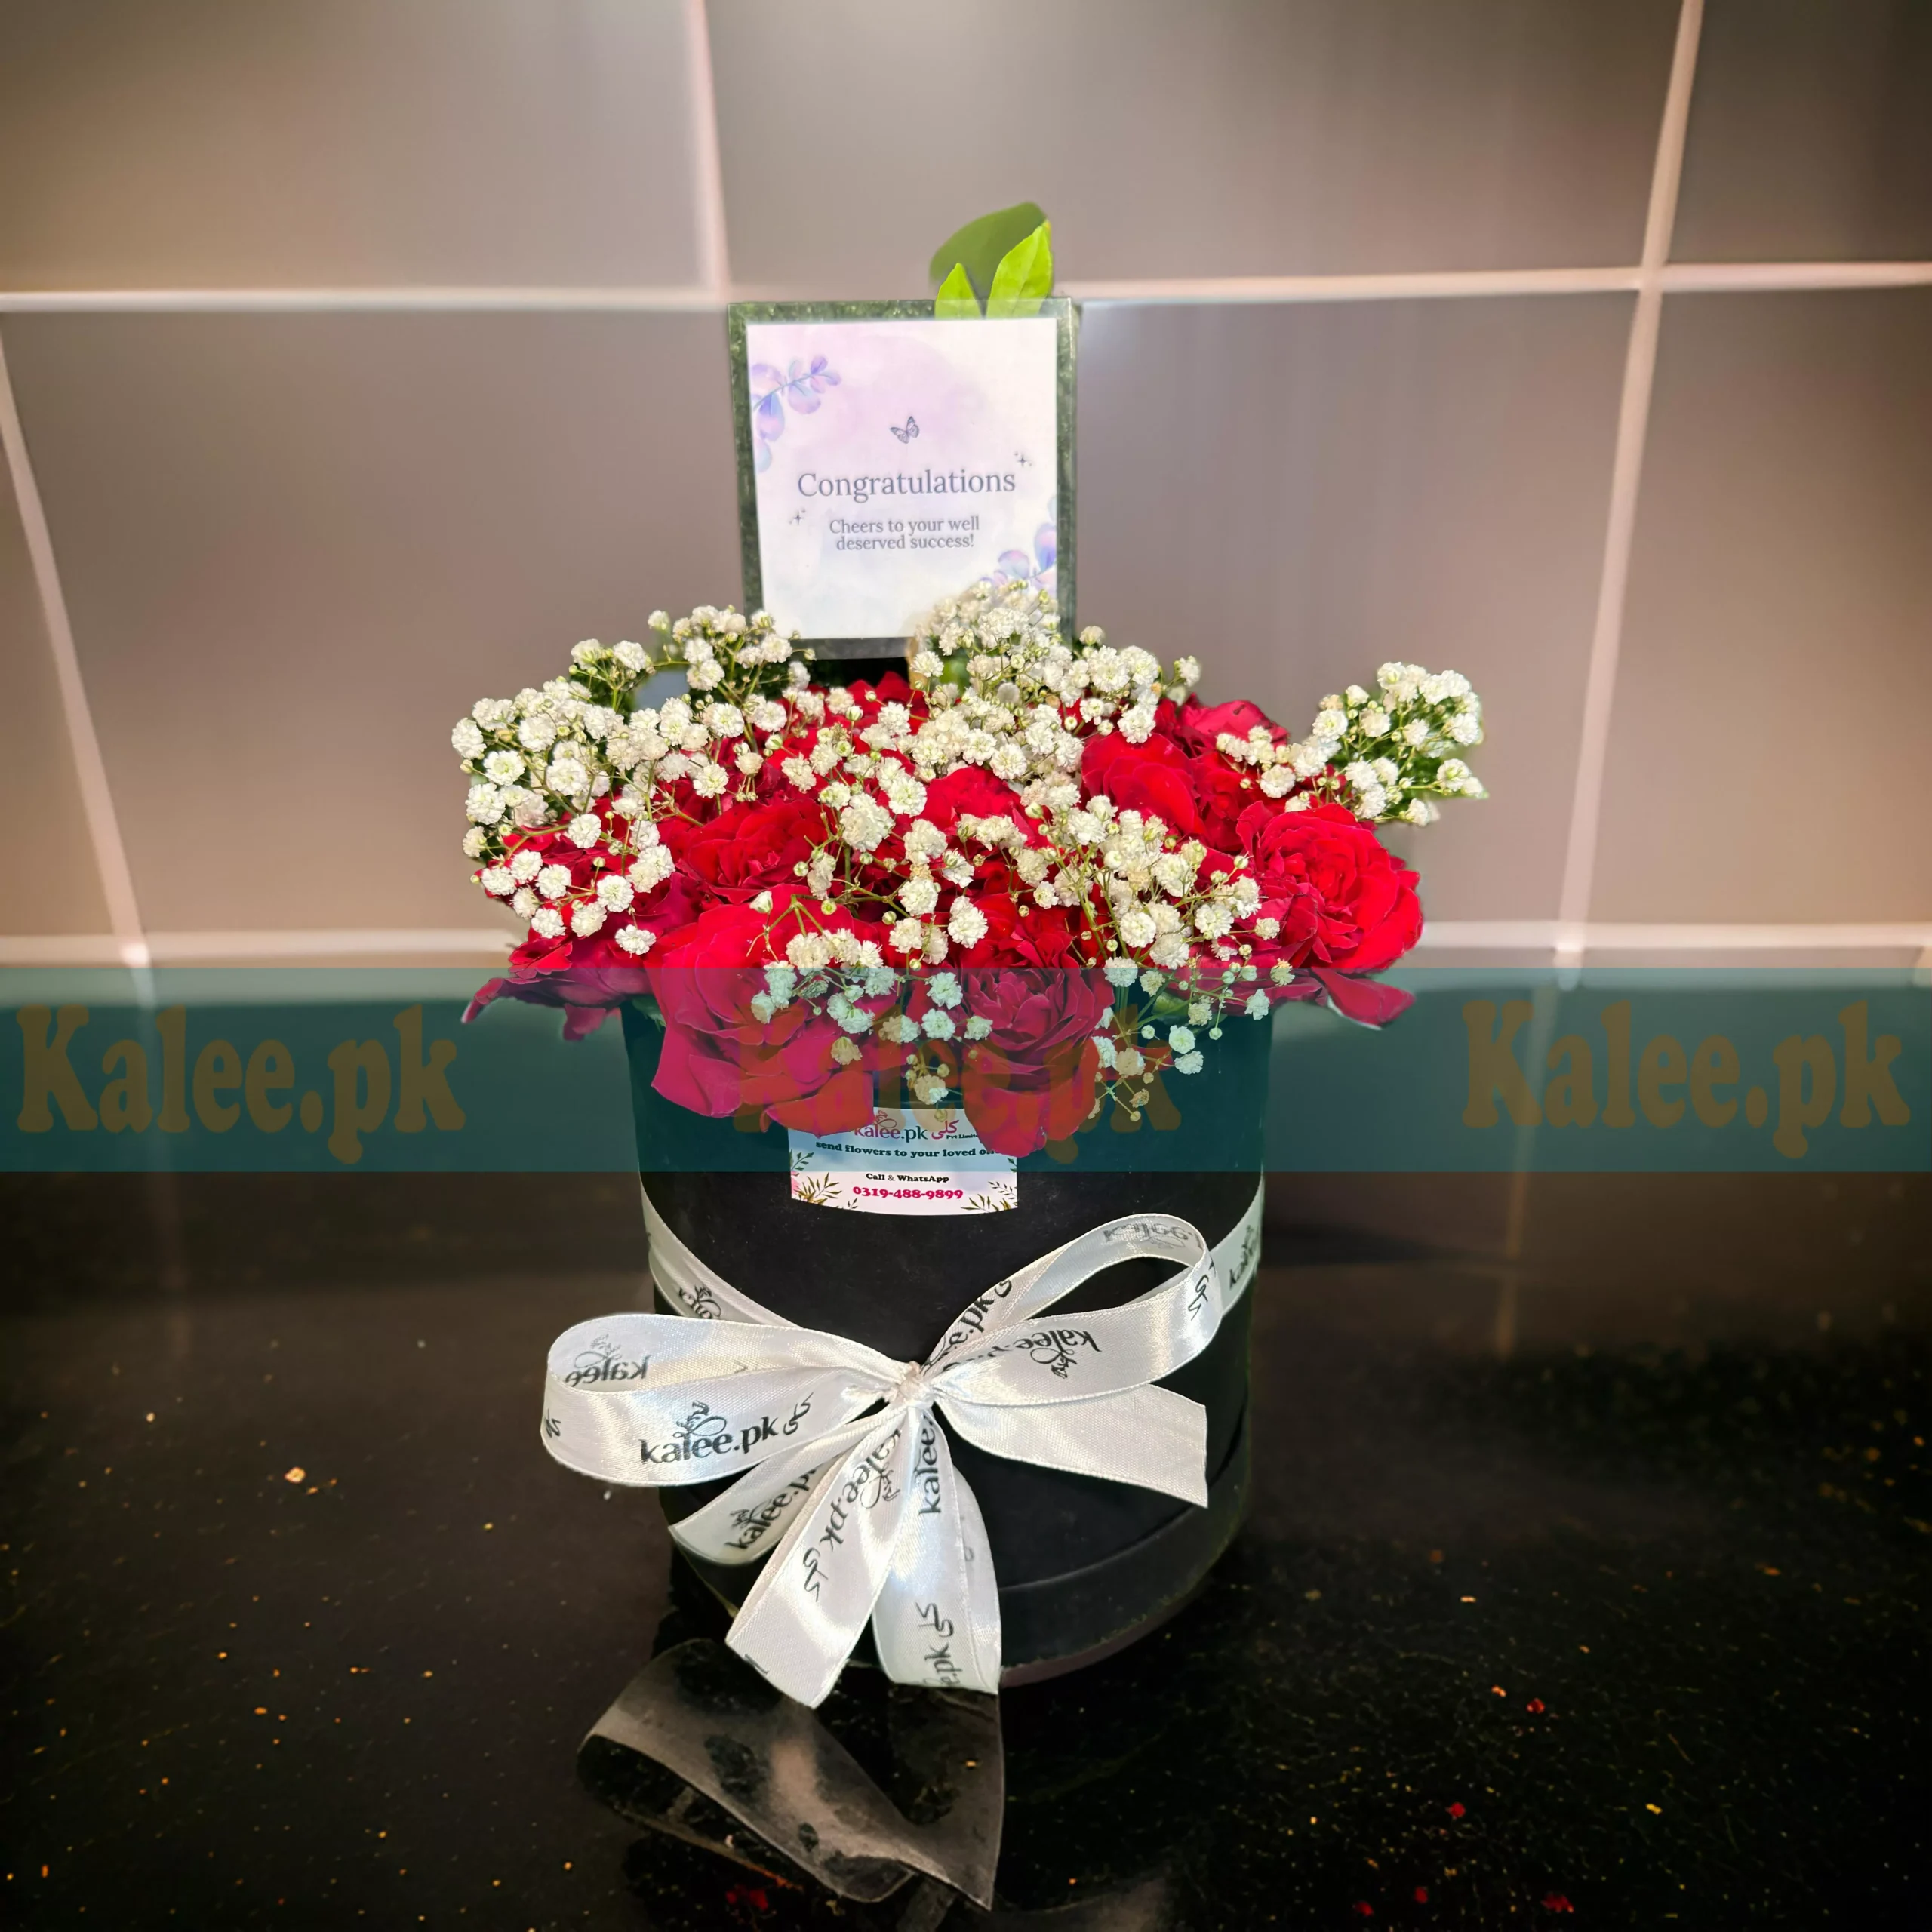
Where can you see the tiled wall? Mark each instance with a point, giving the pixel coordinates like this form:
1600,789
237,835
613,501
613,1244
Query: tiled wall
448,393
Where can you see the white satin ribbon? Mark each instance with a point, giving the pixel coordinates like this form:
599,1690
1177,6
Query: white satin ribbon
843,1467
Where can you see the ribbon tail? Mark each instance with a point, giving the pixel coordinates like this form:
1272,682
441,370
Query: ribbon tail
1149,1437
937,1619
810,1603
749,1519
1238,1254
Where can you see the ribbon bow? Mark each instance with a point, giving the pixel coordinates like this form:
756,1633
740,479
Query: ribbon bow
842,1467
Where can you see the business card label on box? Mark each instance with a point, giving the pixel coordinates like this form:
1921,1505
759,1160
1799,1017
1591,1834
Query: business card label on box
904,1161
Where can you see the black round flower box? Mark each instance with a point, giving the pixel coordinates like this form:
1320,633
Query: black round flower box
1085,1565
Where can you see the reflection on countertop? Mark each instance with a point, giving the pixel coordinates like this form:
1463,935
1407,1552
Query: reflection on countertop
1564,1597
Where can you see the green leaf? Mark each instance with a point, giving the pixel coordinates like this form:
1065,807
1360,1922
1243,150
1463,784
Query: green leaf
1025,274
980,245
956,302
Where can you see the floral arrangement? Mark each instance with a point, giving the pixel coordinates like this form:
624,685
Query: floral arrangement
1034,872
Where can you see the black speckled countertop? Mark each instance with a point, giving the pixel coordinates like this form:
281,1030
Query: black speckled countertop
1559,1603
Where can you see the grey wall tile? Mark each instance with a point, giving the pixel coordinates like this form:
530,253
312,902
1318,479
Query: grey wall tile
1300,493
1810,133
1224,137
325,142
48,881
297,548
1770,737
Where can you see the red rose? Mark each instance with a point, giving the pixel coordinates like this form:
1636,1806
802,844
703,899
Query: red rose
1221,795
751,848
1030,1080
720,1054
1343,899
1153,777
1197,795
973,790
1024,935
588,995
890,689
1197,726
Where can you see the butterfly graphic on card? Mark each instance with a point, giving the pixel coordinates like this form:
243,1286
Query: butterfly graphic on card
906,434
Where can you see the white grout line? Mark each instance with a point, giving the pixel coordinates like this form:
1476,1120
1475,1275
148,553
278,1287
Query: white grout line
1599,936
331,942
60,949
1682,278
1534,936
1693,277
1626,471
678,300
110,855
268,947
707,154
1405,286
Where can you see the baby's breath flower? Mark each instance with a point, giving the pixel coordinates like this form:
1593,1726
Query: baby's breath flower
808,952
866,823
651,869
966,923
